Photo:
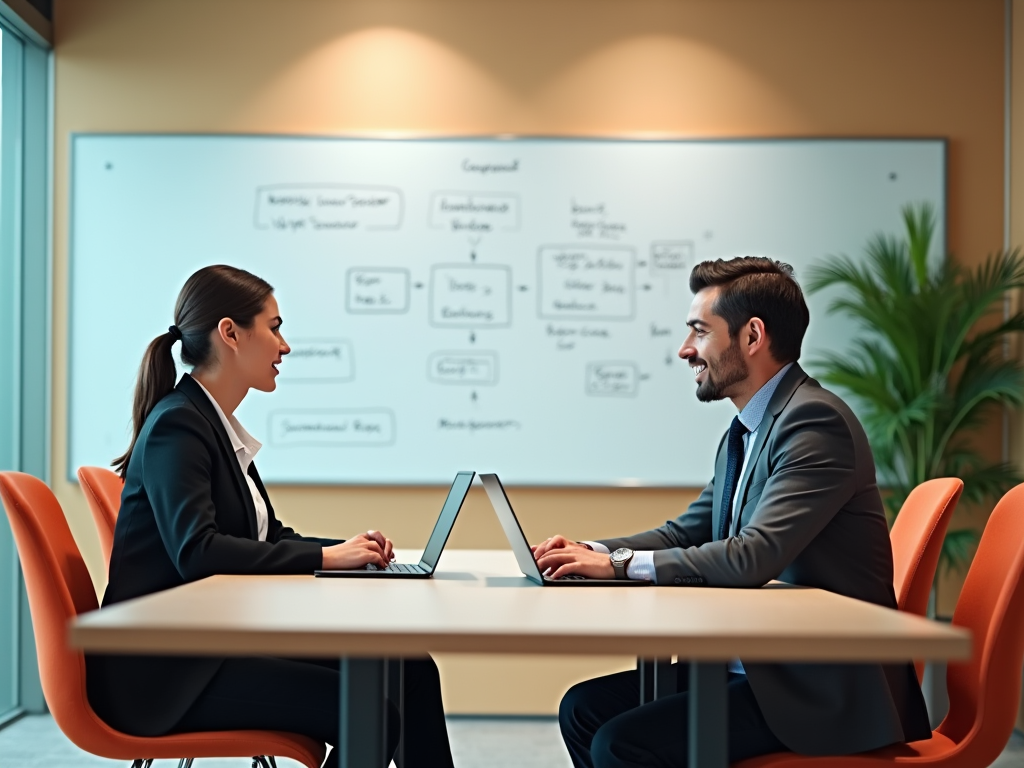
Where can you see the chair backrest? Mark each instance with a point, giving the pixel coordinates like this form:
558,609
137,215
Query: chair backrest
59,588
916,538
984,693
102,489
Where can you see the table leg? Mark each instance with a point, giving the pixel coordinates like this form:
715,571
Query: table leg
361,741
708,726
396,694
665,683
657,679
645,670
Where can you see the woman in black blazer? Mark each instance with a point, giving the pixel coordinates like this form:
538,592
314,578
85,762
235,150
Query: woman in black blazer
193,505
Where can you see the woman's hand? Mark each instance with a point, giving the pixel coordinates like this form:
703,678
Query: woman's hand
370,547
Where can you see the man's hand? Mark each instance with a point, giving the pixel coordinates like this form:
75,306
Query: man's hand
554,543
574,559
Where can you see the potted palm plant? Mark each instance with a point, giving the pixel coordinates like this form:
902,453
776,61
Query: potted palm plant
930,363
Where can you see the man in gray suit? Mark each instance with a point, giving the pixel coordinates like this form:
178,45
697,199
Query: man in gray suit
793,498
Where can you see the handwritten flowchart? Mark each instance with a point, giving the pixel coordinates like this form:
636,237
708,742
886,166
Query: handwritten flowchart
514,305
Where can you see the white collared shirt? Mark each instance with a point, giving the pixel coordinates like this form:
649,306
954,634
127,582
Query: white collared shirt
245,447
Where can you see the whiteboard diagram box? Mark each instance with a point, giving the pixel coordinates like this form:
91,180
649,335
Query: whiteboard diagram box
670,258
377,290
319,360
586,282
344,427
476,296
328,207
476,368
612,379
474,212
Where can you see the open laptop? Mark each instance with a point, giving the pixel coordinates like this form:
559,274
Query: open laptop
521,547
424,569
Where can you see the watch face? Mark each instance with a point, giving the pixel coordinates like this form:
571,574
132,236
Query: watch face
621,555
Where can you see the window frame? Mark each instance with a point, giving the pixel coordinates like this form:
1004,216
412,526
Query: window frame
26,141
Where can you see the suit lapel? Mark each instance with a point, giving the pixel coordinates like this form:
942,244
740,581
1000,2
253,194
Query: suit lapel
794,377
188,387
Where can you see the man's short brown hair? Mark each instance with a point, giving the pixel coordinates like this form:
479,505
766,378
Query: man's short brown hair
755,286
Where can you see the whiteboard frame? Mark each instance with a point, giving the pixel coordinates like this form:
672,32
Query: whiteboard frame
398,137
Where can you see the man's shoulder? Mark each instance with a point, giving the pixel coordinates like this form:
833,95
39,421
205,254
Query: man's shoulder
810,400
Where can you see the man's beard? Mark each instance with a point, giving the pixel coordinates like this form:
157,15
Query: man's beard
730,369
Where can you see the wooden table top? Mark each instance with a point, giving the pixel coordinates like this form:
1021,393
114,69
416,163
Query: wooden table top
478,602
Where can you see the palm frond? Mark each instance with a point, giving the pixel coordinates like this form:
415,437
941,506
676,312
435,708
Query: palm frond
958,549
921,374
920,225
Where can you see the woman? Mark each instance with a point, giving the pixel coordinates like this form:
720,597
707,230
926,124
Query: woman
193,505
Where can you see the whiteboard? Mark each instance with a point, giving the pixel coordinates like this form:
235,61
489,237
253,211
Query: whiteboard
512,305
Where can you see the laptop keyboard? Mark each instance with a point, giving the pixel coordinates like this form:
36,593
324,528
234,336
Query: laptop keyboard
396,568
568,577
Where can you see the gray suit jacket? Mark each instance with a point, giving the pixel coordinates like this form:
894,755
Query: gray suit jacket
810,515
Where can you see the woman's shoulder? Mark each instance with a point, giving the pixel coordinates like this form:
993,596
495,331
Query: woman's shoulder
175,410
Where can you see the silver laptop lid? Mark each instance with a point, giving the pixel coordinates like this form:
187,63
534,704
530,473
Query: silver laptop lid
510,524
446,520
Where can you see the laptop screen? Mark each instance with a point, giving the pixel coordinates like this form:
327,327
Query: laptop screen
446,520
510,524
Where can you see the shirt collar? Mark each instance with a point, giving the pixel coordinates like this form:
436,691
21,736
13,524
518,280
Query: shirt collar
241,440
753,411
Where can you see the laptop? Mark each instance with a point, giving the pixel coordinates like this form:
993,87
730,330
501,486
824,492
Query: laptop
521,547
424,569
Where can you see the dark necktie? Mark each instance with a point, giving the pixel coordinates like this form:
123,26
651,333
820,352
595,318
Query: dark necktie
733,464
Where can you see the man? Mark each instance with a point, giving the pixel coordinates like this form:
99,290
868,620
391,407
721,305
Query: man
793,498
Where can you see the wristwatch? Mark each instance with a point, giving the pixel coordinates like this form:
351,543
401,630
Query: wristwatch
620,561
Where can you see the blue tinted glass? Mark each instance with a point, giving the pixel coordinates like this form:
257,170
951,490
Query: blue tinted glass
8,406
444,524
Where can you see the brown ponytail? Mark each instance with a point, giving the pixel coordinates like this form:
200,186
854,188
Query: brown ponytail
208,296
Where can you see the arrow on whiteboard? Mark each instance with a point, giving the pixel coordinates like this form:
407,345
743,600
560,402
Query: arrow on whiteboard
646,287
473,396
524,287
472,337
417,285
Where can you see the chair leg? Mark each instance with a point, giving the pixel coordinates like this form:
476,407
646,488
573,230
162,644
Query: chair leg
272,761
185,762
140,763
260,761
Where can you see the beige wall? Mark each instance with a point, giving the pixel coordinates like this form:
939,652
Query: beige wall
586,67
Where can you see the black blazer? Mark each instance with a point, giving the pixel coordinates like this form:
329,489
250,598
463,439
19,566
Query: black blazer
186,513
810,515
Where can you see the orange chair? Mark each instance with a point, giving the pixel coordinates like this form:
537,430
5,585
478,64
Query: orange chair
59,589
917,537
102,489
984,692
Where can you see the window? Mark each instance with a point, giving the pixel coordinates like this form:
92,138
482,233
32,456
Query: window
24,331
8,563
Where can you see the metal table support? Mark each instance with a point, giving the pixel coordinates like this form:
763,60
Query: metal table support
709,725
657,679
362,730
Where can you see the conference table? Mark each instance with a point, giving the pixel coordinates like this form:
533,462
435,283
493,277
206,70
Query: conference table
478,602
